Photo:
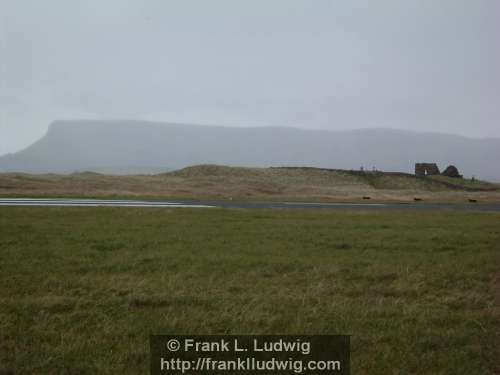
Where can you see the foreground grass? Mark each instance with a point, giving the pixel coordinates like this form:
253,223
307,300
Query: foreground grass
81,289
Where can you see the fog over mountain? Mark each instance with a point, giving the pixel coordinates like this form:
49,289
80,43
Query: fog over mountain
412,65
147,147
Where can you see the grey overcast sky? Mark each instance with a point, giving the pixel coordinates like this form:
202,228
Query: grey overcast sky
422,65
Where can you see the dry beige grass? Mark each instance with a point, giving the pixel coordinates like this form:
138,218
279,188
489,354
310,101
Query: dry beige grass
218,182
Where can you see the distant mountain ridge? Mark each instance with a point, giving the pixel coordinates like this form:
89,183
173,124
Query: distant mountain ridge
70,146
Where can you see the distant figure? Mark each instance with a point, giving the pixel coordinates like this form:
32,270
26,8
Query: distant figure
426,169
451,171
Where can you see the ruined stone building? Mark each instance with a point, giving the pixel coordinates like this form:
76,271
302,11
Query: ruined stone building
431,169
426,169
451,171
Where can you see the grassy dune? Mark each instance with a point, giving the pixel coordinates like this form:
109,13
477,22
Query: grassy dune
81,289
218,182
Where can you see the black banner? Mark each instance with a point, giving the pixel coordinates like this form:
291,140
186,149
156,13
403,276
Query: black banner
268,354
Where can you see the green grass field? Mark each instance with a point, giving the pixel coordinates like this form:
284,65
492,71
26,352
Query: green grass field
81,289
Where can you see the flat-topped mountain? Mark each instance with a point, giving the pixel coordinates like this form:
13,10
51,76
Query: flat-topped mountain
135,146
